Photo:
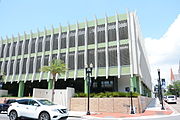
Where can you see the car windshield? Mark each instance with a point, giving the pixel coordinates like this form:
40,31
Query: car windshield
45,102
171,96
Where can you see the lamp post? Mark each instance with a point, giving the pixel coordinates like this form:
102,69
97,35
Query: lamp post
132,109
160,89
88,73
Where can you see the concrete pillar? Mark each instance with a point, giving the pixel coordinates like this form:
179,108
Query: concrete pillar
21,89
50,84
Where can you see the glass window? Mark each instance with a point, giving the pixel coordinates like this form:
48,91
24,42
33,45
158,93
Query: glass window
101,57
8,49
54,56
112,56
26,46
112,31
55,41
23,101
33,42
38,64
90,55
32,102
81,37
45,102
2,52
40,40
72,38
31,65
90,35
101,33
123,30
24,66
5,67
14,49
47,43
17,66
46,59
63,40
124,55
11,67
80,59
20,48
71,61
63,56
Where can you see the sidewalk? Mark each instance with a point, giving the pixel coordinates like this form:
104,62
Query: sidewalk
153,109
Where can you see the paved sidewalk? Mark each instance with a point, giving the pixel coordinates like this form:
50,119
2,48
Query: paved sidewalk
153,109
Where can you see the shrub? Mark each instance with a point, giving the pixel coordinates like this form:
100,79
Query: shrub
107,94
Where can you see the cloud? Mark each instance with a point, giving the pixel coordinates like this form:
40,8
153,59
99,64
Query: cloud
164,53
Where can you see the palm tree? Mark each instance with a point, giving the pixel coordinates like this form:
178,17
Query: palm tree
56,67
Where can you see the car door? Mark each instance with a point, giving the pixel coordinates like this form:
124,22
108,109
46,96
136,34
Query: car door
22,107
33,109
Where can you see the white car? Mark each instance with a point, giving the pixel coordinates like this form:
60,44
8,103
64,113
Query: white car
36,108
171,99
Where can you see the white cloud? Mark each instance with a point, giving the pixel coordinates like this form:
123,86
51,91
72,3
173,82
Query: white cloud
164,53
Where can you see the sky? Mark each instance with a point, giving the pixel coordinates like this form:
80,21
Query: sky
159,20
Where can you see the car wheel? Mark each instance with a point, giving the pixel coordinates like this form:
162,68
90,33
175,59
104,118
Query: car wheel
44,116
13,115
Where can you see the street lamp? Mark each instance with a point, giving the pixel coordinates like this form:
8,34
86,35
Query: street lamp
88,73
160,89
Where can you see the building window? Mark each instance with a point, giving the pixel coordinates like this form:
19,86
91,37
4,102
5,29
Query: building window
55,41
63,56
101,57
26,46
8,49
54,56
24,66
17,66
101,33
80,59
31,65
112,31
124,55
71,61
123,29
112,56
20,48
90,54
0,64
90,35
63,40
81,39
72,38
14,49
2,52
47,43
33,42
40,40
46,59
38,64
5,67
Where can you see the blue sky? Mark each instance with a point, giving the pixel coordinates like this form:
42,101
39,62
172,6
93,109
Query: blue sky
159,20
25,15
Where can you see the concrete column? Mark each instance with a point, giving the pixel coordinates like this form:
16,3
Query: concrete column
50,84
21,89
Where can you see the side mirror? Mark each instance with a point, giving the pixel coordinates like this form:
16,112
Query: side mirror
37,105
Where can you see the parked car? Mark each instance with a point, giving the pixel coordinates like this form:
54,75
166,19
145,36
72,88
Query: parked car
36,108
6,104
171,99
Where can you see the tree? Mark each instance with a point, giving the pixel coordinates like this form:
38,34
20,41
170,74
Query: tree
56,67
174,89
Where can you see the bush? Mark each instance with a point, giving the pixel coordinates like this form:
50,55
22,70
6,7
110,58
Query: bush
107,94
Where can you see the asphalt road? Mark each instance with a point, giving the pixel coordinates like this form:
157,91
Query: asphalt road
176,106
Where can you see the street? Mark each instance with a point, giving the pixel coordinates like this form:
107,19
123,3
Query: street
176,106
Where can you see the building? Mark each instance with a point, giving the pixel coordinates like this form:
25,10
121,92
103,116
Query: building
113,44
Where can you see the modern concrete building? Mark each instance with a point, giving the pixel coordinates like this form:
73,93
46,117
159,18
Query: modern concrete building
114,45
